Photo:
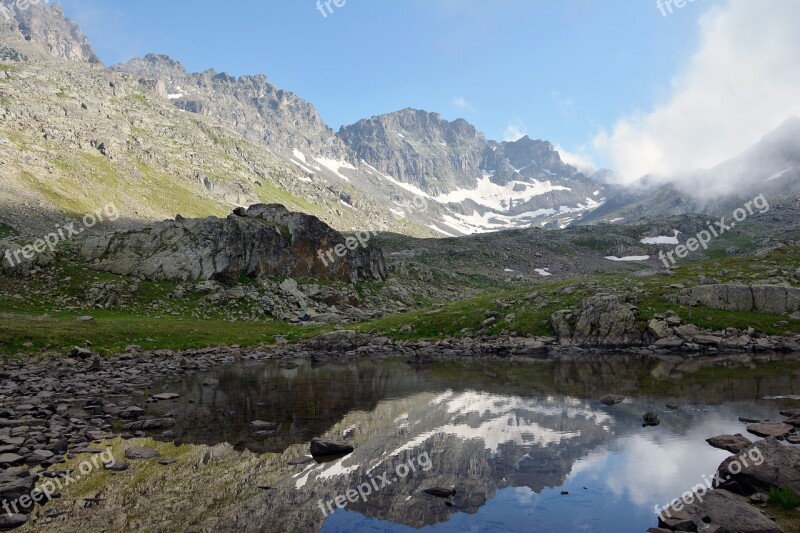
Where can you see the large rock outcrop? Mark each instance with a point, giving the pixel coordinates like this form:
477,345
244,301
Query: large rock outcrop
773,299
605,321
263,241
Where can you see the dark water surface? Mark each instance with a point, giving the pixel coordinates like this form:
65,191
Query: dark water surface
509,437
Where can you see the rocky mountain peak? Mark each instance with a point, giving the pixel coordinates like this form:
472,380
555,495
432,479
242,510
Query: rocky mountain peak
419,147
155,66
46,26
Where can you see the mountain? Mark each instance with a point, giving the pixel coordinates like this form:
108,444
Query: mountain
770,167
486,185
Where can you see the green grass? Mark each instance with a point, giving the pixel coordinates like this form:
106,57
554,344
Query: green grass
784,496
111,332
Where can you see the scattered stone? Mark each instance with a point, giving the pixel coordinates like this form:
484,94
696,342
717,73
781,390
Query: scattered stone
166,396
167,462
80,353
139,452
116,466
263,426
150,424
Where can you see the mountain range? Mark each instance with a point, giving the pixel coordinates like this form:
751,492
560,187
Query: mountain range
160,141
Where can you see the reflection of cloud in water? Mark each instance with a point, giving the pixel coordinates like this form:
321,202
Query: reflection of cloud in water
654,467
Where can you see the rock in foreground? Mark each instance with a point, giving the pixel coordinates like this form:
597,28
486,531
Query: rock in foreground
263,241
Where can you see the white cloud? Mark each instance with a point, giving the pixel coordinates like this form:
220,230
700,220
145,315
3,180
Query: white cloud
515,130
564,104
580,160
459,102
743,81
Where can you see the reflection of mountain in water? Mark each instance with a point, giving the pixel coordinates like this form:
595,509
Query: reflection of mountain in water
477,441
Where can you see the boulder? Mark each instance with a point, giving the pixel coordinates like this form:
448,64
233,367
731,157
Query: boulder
325,447
12,520
266,241
766,463
603,321
659,329
719,510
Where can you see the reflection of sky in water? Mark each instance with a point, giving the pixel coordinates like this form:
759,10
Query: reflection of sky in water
625,477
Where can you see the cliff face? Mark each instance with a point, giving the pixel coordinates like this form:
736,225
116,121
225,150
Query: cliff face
263,241
419,148
249,105
46,26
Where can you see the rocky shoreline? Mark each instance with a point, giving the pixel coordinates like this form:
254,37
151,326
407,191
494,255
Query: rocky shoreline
57,407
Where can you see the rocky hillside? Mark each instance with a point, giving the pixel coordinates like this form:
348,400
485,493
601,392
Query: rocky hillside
249,105
262,241
75,136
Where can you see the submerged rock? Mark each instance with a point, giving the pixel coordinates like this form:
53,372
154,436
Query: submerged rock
611,399
650,419
770,429
730,443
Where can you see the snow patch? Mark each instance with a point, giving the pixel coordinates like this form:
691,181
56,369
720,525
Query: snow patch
662,239
629,258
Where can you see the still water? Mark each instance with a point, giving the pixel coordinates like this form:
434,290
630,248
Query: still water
526,446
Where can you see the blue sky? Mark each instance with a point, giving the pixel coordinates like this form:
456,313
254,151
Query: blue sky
558,69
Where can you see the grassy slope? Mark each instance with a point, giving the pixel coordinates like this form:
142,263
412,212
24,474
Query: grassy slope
32,324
